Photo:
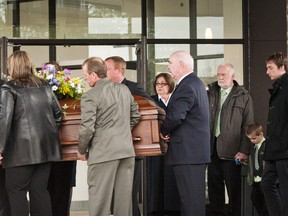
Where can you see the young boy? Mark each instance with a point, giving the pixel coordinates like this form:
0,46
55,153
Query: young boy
255,133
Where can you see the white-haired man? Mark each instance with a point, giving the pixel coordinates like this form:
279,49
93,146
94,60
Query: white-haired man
186,129
231,110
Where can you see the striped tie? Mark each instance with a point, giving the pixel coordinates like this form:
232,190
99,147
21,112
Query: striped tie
256,159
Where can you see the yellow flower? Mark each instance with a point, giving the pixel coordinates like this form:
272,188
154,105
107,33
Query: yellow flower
62,85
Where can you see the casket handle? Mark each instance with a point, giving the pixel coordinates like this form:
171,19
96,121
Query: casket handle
136,139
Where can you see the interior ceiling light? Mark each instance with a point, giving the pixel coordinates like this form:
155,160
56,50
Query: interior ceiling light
208,33
208,30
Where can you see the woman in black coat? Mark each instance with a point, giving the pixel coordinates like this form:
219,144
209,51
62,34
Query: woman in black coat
62,177
29,117
163,196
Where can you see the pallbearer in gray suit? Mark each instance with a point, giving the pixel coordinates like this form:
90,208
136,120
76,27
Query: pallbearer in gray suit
108,113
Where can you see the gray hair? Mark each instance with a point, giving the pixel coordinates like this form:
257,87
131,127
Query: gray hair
229,66
185,57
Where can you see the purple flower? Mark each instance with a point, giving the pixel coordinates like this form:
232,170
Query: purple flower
55,82
67,71
50,68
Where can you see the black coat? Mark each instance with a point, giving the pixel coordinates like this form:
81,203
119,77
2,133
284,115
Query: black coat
277,124
159,102
187,123
252,172
29,119
162,187
136,88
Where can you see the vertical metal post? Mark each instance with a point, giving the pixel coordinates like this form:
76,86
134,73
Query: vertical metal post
16,18
3,62
246,45
52,53
52,28
247,207
143,81
138,55
16,21
151,63
142,78
193,30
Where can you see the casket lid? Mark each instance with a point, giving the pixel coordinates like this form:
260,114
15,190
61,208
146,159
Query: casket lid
148,107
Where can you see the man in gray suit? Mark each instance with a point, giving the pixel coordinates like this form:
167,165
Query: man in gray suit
116,68
108,113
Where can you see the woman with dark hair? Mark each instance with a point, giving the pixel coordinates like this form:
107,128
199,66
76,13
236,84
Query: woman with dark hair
62,177
162,189
163,87
30,116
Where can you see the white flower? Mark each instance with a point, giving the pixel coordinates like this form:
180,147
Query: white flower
50,76
54,88
79,89
72,85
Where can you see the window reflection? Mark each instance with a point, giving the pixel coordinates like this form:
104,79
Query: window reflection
122,19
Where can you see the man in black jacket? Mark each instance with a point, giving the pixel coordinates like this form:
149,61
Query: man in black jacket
116,67
4,203
276,149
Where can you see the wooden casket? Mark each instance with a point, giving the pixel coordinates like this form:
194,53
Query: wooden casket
145,134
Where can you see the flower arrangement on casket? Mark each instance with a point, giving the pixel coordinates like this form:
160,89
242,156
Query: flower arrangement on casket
61,83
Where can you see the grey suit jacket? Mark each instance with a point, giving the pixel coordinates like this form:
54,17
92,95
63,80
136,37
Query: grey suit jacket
108,114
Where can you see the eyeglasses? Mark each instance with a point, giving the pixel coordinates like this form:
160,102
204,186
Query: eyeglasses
161,84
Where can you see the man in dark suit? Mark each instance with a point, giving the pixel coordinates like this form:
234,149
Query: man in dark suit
4,203
186,129
116,67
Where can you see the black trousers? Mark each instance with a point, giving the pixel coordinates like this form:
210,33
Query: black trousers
220,172
4,203
274,185
32,179
60,186
162,190
190,180
258,200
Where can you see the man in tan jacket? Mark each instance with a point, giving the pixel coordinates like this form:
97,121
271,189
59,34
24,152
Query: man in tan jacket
108,113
